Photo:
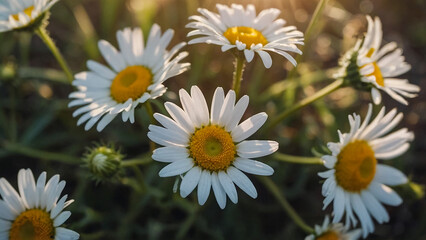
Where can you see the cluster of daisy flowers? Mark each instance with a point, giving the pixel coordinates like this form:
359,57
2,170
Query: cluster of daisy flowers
206,145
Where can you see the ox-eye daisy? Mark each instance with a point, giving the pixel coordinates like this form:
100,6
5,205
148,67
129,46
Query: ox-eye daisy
210,148
236,27
20,14
333,231
356,183
36,212
136,75
377,68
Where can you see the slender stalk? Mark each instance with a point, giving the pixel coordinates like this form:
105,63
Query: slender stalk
296,159
134,162
42,33
273,188
238,74
13,128
150,112
321,93
289,95
40,154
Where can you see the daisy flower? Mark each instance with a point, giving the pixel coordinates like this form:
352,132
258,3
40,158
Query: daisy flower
19,14
211,148
236,27
333,231
136,74
355,182
36,212
379,67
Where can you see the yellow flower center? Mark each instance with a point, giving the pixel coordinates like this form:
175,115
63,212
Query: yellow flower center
370,52
246,35
355,166
330,235
28,11
132,82
376,73
33,224
212,148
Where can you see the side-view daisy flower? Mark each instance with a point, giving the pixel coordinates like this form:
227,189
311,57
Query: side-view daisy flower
136,75
333,231
378,68
211,148
356,183
19,14
236,27
36,212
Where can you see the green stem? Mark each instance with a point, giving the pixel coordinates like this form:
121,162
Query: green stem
150,112
238,74
321,93
273,188
41,32
13,124
314,19
296,159
133,162
39,154
289,95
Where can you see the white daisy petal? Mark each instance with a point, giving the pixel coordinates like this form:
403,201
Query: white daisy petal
218,191
170,154
237,113
374,207
242,181
360,210
389,175
217,102
227,108
339,207
204,187
61,218
176,168
111,55
266,58
63,233
6,212
253,167
228,186
190,181
256,148
248,127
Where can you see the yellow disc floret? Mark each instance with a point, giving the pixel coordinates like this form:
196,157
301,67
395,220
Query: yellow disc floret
28,11
34,224
132,82
370,52
212,148
246,35
330,235
355,166
378,74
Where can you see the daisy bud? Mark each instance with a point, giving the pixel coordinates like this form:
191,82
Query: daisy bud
103,162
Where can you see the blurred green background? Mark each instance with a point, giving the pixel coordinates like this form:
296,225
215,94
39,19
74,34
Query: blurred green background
34,116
